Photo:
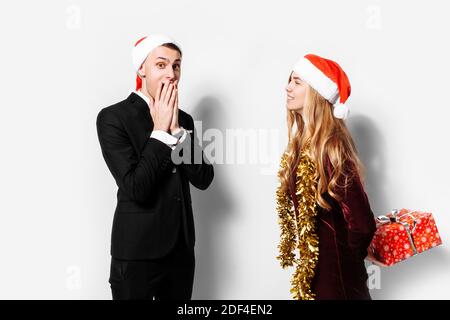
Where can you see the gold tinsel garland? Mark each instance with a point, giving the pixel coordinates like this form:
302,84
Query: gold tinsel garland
298,227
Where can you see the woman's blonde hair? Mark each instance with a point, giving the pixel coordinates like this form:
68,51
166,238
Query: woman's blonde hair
329,138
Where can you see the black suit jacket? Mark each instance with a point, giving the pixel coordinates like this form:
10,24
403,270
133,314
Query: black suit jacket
153,199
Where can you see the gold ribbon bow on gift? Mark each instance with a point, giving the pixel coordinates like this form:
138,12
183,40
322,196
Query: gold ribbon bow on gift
394,217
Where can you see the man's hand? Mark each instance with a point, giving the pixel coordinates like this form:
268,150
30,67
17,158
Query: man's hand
162,109
174,126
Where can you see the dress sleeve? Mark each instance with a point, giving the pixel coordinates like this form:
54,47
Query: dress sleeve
358,215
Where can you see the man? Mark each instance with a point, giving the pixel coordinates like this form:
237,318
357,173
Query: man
153,236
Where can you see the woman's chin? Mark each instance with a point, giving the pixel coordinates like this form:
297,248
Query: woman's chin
290,107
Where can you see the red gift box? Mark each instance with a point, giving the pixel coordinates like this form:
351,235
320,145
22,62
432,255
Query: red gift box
402,234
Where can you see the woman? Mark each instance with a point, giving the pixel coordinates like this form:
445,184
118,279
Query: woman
323,209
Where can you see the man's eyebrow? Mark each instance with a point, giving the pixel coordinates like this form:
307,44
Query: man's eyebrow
165,59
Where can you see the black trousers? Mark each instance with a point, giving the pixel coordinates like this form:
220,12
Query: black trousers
168,278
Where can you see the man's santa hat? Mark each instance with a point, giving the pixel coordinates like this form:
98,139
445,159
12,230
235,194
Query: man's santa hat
327,78
142,49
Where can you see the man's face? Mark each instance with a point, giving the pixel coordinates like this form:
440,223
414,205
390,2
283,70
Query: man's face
162,65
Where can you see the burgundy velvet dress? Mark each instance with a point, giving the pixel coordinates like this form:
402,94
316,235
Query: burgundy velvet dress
344,233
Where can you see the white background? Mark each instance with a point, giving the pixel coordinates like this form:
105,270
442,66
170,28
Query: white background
62,61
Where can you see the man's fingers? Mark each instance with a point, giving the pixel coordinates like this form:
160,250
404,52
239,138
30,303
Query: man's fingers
175,109
164,91
158,91
169,93
176,99
173,98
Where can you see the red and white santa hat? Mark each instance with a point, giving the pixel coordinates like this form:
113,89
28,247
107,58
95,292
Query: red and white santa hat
142,49
327,78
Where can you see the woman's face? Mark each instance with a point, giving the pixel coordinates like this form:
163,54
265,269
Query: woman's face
296,93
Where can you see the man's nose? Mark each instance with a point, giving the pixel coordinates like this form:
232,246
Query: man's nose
170,74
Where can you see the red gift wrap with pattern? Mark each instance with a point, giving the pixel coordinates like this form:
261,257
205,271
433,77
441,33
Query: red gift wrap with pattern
402,234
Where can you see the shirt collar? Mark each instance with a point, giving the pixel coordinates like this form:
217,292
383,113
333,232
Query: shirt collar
143,96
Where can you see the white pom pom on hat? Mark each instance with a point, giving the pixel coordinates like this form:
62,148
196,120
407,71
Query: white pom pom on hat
327,78
142,49
341,111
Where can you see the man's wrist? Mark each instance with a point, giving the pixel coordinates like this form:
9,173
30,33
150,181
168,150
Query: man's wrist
161,129
175,131
164,137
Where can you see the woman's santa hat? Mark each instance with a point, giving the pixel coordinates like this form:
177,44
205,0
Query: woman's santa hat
327,78
142,49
